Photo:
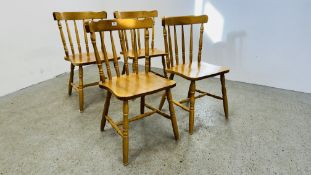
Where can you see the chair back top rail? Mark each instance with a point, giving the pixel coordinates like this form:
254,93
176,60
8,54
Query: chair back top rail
171,23
138,15
184,20
119,25
79,15
135,14
70,21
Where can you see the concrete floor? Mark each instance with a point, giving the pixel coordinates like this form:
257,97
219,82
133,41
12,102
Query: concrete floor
268,132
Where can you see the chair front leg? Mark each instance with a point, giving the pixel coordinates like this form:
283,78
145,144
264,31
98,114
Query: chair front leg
142,104
105,111
125,139
191,112
172,113
72,68
164,95
81,95
224,94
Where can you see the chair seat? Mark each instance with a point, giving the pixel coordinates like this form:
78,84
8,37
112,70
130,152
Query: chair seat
85,59
197,71
135,85
152,53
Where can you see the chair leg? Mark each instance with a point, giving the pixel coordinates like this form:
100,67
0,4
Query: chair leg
164,95
164,68
125,132
81,96
105,111
72,67
224,94
191,112
172,113
142,104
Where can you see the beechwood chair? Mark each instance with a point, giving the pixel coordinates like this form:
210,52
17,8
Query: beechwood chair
129,85
192,70
153,52
78,57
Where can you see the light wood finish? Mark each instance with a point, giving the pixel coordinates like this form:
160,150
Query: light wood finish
154,52
130,85
192,69
73,34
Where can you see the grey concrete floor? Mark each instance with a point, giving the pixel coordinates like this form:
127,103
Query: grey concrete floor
268,132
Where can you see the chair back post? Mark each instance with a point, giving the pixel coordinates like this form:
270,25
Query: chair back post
74,17
119,25
182,21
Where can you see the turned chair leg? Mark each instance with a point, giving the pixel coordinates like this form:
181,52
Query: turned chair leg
164,95
125,138
191,112
172,113
72,67
224,94
81,96
105,111
142,104
164,68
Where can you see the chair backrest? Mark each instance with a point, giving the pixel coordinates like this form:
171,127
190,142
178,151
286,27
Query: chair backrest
181,21
138,15
75,18
107,27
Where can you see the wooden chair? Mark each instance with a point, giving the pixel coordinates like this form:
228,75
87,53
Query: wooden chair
130,85
153,52
77,57
193,70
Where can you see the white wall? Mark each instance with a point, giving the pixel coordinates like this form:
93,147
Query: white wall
264,42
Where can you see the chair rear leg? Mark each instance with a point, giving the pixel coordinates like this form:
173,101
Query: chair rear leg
105,111
164,68
172,113
81,95
72,67
142,104
224,94
191,112
164,95
125,139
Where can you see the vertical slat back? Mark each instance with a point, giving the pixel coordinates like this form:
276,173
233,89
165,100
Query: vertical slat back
152,35
98,60
146,34
60,27
176,46
115,57
170,46
120,25
168,62
138,39
200,42
104,50
134,47
74,20
183,44
183,21
70,38
122,37
191,43
86,41
77,37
